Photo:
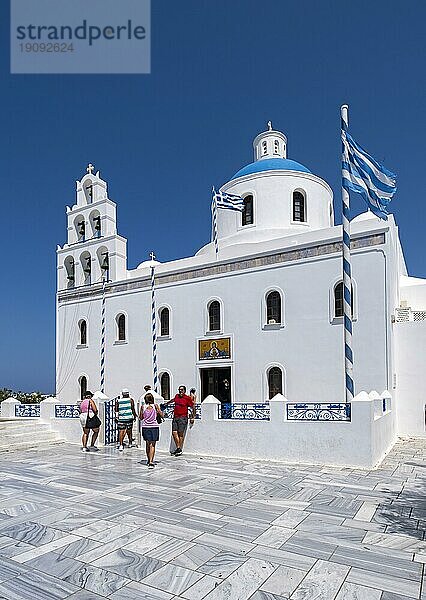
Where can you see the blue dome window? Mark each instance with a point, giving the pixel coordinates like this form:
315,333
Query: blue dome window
271,164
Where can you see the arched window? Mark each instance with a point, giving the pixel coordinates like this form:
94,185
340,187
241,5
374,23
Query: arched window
299,208
164,321
88,191
80,228
70,271
247,215
338,300
276,147
275,382
121,327
264,147
83,386
86,265
83,332
104,263
165,385
95,222
273,308
214,316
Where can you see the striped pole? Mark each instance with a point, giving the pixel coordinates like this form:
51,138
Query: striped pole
102,387
154,326
214,217
347,276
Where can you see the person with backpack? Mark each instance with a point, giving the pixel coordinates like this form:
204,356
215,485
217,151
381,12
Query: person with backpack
150,417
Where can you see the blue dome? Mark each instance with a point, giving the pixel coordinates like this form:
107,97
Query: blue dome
271,164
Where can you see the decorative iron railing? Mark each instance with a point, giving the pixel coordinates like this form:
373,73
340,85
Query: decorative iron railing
27,410
111,428
319,411
168,410
66,411
244,412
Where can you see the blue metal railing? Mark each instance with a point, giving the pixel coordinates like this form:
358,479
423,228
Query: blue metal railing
66,411
168,410
319,411
110,425
27,410
244,412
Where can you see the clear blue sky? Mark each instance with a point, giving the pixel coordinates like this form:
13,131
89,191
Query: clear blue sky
220,70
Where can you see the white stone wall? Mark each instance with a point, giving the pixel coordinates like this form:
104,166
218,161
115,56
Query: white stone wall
411,377
309,347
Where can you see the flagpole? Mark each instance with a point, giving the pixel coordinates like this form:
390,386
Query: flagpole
102,365
347,276
214,216
154,326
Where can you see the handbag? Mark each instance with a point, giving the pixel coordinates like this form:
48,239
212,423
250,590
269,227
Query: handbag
92,421
159,418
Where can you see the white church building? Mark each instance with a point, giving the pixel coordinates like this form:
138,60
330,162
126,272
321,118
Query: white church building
264,317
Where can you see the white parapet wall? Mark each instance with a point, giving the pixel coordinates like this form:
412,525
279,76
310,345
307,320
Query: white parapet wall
355,435
361,442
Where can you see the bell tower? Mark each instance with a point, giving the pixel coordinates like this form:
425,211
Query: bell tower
94,252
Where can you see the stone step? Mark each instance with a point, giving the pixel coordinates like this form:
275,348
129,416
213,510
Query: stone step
21,423
23,435
26,434
31,446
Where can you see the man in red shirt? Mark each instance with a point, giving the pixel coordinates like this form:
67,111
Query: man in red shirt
180,416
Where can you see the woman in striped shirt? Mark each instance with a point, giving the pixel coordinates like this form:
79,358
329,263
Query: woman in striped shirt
125,415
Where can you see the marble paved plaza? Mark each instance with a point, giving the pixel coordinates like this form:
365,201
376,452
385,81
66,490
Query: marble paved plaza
101,525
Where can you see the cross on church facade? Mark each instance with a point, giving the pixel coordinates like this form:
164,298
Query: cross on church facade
152,256
90,168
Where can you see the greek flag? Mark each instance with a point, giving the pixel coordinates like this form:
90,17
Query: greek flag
364,175
228,201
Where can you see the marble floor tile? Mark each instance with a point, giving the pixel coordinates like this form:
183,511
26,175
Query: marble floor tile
223,564
36,586
243,582
27,555
260,595
283,581
94,553
146,542
201,588
274,536
195,556
224,543
79,547
170,549
13,547
89,577
291,518
352,591
396,585
140,591
279,556
128,564
172,579
85,595
174,530
92,528
323,581
395,540
378,562
9,569
33,533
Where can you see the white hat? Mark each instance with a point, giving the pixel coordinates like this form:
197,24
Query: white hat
124,391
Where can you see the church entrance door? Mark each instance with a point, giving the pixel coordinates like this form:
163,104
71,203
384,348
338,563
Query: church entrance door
216,381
